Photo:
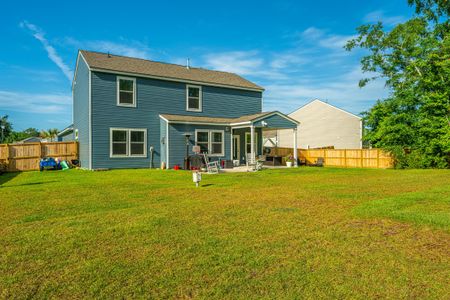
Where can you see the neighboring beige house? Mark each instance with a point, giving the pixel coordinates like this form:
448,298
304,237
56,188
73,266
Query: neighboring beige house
321,125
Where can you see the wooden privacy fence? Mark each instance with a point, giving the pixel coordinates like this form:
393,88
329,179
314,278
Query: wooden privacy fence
26,156
348,158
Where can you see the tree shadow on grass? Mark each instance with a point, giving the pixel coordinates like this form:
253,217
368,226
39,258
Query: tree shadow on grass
28,184
5,177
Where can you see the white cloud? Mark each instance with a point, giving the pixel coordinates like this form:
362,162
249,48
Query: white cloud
126,48
380,16
316,66
285,60
341,90
246,63
321,38
51,52
35,103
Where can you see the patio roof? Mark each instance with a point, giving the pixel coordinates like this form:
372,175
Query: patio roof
254,119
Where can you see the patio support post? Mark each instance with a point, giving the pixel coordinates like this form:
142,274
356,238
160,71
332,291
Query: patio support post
252,143
295,147
232,145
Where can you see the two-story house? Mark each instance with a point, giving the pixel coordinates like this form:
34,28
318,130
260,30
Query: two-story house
136,113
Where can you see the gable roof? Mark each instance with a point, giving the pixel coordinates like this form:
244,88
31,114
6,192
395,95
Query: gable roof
159,70
325,103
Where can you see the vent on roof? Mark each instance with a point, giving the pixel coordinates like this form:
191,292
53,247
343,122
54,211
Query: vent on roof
187,64
109,55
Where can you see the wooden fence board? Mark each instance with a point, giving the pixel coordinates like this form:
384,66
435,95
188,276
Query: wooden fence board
26,157
348,158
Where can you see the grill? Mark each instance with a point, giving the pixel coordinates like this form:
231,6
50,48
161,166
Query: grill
195,161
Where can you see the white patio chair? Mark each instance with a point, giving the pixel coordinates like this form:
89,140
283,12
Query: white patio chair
253,165
212,167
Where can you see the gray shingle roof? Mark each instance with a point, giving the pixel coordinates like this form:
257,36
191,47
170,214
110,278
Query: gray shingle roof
227,121
139,66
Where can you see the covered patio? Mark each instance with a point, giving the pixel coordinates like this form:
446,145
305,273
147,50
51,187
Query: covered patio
232,141
247,134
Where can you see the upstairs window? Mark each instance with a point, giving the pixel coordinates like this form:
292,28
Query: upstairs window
126,91
193,98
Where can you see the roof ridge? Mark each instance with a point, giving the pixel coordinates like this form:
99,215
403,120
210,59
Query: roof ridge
162,62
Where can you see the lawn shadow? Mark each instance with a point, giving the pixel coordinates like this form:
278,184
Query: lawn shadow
28,184
5,177
206,185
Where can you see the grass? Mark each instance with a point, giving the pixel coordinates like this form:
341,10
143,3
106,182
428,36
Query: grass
303,233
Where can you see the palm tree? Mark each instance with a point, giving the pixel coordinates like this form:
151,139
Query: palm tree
53,132
44,134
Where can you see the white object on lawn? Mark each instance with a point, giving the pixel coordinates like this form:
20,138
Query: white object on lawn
196,177
289,164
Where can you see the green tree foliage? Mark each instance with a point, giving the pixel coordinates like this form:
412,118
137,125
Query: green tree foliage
8,135
52,133
5,128
414,59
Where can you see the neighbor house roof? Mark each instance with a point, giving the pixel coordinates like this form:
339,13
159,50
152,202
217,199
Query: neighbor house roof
324,103
138,66
66,130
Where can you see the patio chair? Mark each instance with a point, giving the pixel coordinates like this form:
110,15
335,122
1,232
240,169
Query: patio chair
319,162
211,166
255,165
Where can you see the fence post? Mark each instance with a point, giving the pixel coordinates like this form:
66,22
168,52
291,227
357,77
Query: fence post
7,158
378,158
361,154
40,150
345,158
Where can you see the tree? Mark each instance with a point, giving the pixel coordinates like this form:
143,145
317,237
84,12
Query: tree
31,132
5,128
414,59
52,133
44,134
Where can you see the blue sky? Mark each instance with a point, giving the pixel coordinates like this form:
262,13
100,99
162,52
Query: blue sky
292,48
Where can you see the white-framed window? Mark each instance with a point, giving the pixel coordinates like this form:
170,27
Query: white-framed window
126,91
193,98
210,141
248,142
202,140
128,142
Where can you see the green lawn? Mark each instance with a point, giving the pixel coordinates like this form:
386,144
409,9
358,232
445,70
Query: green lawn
291,233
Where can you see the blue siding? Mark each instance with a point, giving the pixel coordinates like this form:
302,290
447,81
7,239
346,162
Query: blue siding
229,103
177,142
155,97
275,121
81,111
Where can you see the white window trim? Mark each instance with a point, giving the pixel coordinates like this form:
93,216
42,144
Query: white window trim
222,153
200,100
210,132
256,141
128,155
118,78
